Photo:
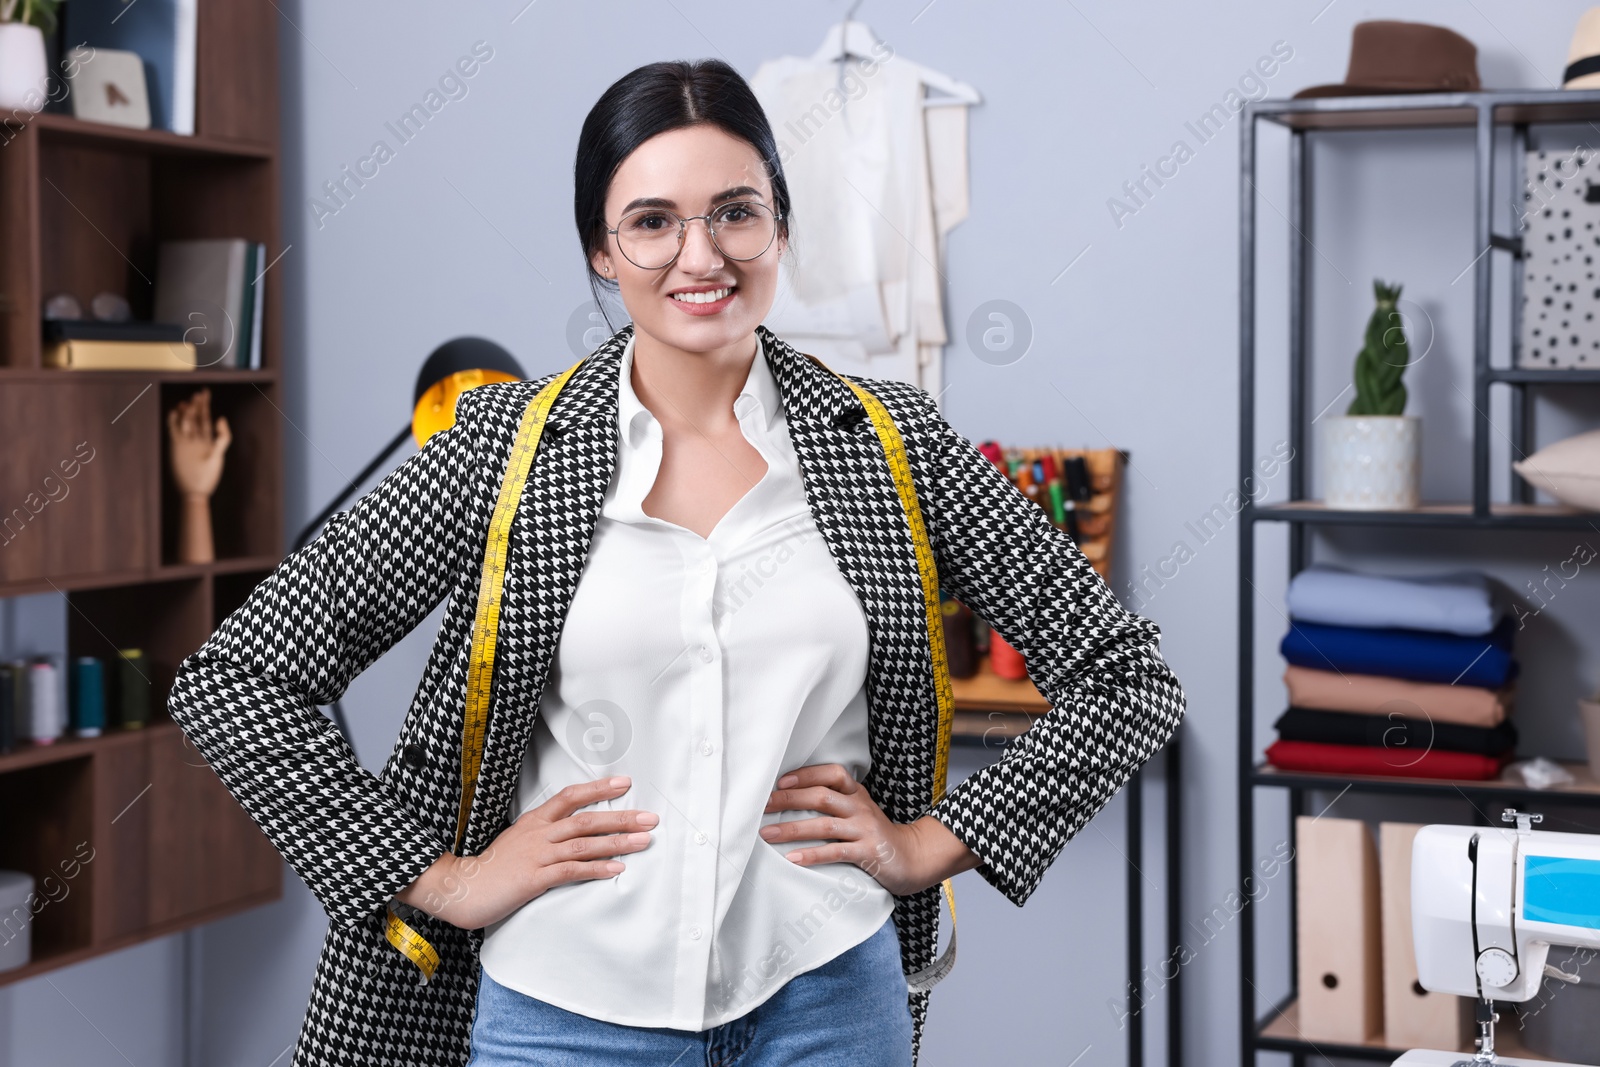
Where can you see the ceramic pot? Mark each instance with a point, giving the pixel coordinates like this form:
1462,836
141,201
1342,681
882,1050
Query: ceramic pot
1371,462
24,84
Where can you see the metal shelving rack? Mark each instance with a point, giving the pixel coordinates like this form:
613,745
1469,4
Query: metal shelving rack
1487,114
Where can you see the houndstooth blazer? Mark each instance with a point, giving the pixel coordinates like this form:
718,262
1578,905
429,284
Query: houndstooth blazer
248,697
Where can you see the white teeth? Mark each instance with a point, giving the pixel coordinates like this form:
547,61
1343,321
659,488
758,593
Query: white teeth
703,298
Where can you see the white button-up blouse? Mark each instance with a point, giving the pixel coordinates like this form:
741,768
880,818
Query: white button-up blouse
705,669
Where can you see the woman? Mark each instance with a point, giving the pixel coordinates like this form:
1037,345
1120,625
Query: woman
702,829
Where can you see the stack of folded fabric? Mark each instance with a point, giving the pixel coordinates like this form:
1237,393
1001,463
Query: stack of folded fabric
1407,677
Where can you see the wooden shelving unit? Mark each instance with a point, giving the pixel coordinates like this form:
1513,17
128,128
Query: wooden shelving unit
83,207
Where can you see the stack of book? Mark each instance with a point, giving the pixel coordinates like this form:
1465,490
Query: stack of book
207,316
1405,677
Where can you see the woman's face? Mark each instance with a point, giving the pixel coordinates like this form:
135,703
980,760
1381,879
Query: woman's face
692,171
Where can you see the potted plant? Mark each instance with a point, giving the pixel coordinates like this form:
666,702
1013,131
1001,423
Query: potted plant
1372,455
24,82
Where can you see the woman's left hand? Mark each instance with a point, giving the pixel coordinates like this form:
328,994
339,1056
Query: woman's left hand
903,857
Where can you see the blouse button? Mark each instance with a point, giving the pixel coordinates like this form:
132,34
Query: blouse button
699,837
694,932
705,654
705,748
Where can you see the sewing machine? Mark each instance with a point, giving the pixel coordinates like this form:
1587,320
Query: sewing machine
1487,904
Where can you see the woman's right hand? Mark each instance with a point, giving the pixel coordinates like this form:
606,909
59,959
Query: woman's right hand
546,846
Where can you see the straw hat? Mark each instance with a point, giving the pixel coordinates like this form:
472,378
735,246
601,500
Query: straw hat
1405,57
1583,56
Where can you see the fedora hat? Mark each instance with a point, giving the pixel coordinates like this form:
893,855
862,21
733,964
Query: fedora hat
1404,57
1583,56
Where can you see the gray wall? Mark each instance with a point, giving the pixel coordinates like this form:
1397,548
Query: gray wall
468,230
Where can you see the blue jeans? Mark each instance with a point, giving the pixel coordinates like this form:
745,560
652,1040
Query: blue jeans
849,1012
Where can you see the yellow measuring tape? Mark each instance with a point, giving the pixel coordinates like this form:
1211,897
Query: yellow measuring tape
480,669
894,451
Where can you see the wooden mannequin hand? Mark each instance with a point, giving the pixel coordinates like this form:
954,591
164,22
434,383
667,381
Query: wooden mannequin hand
197,448
903,857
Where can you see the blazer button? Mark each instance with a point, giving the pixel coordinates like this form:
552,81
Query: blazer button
413,755
847,418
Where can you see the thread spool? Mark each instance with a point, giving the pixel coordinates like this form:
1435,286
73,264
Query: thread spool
133,688
1005,661
44,702
88,697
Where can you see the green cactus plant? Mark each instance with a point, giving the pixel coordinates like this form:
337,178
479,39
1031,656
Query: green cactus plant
1383,359
40,13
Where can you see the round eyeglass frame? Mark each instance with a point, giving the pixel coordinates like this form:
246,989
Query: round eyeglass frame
683,228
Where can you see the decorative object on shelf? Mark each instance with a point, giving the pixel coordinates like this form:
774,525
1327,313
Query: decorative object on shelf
1583,54
111,307
213,288
108,86
1568,470
1540,773
16,898
63,306
197,446
1558,222
44,701
1372,455
88,696
162,34
24,75
1387,56
1589,711
1338,915
133,688
1413,1017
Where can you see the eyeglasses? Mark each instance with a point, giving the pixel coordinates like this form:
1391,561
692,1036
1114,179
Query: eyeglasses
742,230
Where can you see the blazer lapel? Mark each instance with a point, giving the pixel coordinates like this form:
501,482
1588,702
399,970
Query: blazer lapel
857,511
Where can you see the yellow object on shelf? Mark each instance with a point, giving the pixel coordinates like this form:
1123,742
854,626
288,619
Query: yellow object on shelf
121,355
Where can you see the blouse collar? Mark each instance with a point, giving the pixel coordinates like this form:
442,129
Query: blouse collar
758,397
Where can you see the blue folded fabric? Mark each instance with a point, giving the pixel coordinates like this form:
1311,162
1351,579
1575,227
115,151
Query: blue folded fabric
1420,655
1460,602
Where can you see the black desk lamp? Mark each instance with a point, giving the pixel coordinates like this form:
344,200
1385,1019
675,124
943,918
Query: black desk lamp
452,369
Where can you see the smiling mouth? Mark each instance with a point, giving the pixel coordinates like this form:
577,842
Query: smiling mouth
711,296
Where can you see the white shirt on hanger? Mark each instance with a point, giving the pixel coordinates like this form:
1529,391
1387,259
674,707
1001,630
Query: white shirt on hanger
704,668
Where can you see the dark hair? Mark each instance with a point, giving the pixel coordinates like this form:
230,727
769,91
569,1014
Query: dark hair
653,99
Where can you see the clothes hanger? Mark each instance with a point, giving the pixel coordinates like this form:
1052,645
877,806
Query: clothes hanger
852,38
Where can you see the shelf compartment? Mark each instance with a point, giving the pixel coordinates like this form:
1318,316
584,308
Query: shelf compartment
246,509
1512,516
77,480
47,833
167,620
1585,790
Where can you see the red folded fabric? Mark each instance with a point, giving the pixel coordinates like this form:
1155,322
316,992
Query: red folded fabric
1390,762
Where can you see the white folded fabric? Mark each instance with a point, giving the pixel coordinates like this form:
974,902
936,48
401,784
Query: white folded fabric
1458,602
